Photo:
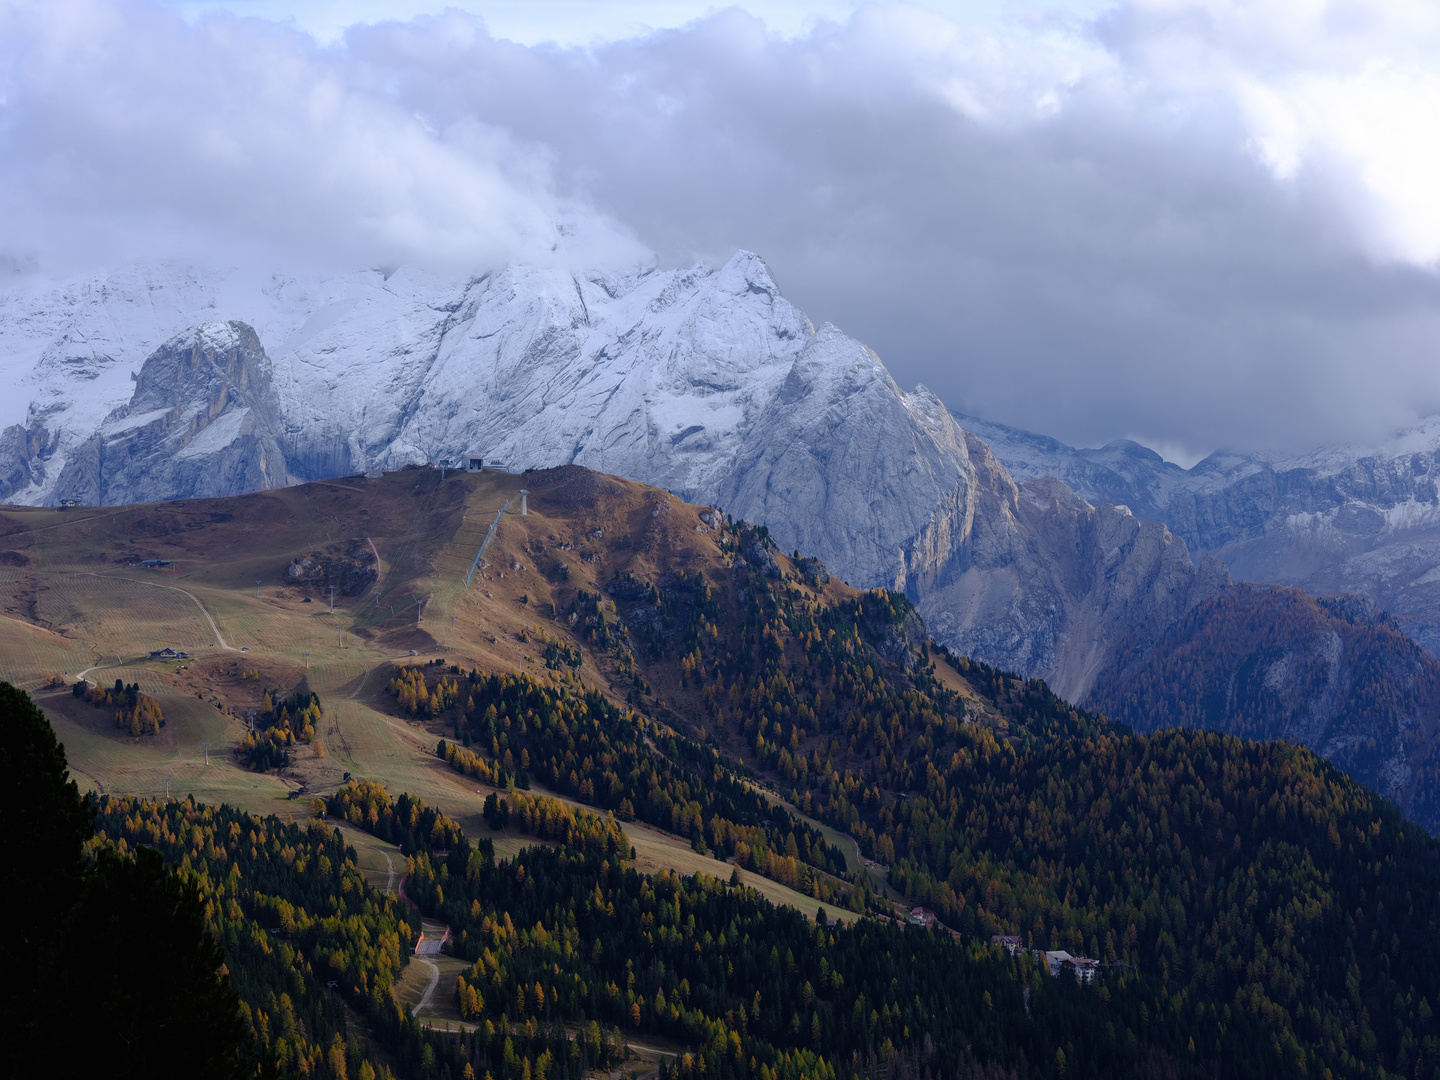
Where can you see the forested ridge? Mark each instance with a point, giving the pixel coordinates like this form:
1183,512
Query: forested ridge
1252,882
571,939
1283,918
1257,913
582,745
1268,662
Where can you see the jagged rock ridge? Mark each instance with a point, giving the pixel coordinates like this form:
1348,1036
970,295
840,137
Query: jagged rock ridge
201,422
1339,520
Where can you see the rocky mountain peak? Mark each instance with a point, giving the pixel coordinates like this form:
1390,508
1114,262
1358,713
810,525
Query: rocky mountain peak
747,273
198,373
201,421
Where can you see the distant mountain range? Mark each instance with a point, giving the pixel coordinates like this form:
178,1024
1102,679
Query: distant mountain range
163,381
1267,661
1338,520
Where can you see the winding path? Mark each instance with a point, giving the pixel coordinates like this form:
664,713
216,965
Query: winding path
97,667
175,588
427,927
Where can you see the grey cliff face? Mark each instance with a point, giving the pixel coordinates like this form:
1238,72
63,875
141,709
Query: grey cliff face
23,454
1332,522
843,464
887,488
1047,584
201,423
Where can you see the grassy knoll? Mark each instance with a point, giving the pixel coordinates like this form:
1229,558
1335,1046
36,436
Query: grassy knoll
107,760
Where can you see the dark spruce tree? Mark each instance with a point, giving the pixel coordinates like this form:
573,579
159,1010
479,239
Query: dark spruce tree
116,944
43,871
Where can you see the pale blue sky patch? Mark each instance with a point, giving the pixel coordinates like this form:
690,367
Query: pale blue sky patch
587,22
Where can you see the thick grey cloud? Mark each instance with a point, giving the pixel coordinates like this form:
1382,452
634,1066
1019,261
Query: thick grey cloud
1197,224
125,131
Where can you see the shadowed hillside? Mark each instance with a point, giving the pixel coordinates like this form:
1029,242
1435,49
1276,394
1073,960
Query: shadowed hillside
1267,662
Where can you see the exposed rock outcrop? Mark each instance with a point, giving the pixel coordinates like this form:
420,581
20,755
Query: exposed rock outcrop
761,559
814,571
1335,521
202,422
1044,583
349,569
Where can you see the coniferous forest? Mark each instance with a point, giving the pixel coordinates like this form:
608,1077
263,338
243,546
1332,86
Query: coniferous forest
1255,912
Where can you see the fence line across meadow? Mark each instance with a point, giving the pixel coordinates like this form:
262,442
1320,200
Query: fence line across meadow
485,543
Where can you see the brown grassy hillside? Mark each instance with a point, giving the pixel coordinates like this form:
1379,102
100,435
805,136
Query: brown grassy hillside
77,597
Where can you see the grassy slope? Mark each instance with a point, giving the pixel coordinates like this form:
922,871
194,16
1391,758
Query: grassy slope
77,606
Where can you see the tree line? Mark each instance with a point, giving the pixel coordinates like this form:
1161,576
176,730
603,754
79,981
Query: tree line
513,727
135,711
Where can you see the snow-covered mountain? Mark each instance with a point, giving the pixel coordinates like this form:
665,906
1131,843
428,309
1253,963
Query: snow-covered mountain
705,381
1362,520
202,421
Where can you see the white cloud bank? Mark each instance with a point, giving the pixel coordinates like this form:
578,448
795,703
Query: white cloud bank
127,131
1196,223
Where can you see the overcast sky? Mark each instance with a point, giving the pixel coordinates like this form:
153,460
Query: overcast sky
1197,224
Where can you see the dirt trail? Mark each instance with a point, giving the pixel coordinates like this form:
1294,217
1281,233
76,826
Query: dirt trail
434,934
98,667
72,521
359,685
379,568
